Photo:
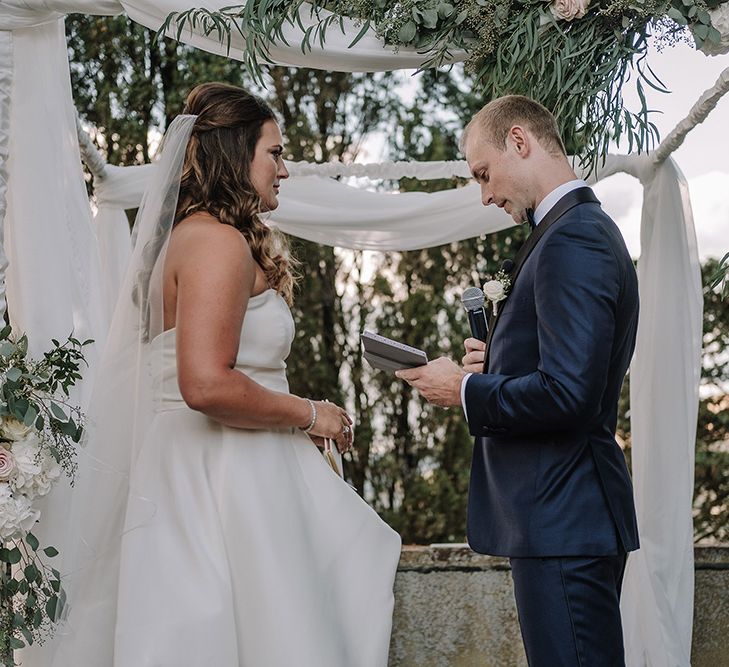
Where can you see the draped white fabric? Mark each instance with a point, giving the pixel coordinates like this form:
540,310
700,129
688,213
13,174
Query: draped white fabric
56,284
48,220
657,604
54,276
332,213
6,84
118,190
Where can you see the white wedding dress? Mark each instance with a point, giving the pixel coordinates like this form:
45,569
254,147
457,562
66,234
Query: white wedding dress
243,547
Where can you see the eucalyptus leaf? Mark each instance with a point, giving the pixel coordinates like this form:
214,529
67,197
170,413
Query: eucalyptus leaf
430,18
30,572
407,32
13,556
51,606
32,541
58,412
7,349
445,9
701,31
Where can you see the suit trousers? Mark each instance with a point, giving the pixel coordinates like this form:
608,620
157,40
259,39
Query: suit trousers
569,610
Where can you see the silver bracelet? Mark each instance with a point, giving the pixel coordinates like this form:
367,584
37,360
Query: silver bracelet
313,416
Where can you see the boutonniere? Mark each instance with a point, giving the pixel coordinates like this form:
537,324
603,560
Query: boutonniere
497,289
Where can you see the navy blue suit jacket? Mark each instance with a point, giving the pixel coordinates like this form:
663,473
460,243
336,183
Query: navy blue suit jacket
548,478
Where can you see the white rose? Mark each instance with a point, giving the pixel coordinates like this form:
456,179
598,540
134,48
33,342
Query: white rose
26,454
17,515
13,429
8,467
569,9
494,290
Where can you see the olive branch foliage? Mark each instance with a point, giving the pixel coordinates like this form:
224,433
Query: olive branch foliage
576,68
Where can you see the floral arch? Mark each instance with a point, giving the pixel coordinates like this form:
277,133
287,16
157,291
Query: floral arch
62,267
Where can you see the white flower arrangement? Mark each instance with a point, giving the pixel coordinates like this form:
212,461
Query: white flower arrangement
497,289
39,432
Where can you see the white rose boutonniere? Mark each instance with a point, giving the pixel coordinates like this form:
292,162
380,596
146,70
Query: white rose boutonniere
497,289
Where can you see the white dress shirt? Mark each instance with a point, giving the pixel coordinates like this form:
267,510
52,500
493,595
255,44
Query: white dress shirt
544,207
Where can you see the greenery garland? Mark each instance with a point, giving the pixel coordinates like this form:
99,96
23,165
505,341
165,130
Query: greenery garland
574,56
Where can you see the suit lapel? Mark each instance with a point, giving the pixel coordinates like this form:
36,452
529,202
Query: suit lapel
569,201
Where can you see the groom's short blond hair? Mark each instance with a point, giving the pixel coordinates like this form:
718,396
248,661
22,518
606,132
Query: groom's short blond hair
495,120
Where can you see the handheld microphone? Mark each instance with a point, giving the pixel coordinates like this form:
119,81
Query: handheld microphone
473,300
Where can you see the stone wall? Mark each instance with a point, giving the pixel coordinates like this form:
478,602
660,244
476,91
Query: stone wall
455,608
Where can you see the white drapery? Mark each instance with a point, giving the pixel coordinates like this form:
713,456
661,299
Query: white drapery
55,235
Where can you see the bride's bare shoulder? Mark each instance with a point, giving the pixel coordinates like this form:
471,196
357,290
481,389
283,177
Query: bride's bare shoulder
202,233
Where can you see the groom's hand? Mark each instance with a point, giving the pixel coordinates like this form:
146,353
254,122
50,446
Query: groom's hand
475,352
438,382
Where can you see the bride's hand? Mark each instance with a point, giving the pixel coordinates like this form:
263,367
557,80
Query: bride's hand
333,422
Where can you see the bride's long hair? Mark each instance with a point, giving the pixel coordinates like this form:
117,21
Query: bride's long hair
216,175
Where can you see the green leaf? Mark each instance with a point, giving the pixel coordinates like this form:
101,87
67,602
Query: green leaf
32,541
407,32
31,572
30,415
677,16
23,344
430,18
16,643
13,556
18,620
445,9
12,587
13,374
50,552
58,412
701,31
7,349
5,332
362,32
27,634
51,607
37,618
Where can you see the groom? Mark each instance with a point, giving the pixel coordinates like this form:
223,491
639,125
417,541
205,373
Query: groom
549,485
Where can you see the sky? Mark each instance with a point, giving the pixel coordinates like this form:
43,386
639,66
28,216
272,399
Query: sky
703,157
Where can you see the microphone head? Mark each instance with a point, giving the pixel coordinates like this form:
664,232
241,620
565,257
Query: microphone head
472,298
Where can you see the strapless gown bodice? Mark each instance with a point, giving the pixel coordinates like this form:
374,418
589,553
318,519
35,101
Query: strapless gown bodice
265,343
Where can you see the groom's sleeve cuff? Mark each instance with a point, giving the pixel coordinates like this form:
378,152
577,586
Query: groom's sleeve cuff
463,394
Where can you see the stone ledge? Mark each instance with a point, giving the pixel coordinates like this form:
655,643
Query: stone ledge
455,608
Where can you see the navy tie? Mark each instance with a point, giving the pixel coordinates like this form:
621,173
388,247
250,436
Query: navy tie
530,218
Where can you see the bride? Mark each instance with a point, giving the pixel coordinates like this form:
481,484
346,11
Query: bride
210,530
